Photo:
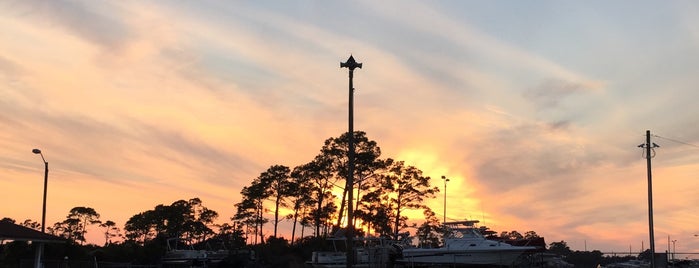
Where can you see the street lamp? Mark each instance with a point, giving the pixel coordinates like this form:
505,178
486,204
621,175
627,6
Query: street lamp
40,250
673,249
46,181
445,198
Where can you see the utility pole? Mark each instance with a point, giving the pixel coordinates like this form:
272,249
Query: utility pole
650,153
351,64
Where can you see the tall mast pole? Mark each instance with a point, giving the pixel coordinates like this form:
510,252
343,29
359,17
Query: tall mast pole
648,146
351,64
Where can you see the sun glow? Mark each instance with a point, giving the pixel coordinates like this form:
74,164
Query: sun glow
461,202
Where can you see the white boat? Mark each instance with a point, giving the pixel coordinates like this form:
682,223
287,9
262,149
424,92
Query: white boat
175,257
368,252
336,259
464,245
185,258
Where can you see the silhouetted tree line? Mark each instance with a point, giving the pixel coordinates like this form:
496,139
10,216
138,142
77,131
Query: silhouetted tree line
74,227
384,189
144,240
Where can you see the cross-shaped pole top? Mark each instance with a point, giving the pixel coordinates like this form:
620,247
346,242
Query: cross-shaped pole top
350,64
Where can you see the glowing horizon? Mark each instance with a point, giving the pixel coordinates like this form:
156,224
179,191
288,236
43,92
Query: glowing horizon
533,110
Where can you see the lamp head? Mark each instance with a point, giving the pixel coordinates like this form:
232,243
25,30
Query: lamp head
350,64
36,151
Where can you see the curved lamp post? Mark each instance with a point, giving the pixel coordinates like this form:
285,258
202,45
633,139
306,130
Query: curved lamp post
46,181
40,250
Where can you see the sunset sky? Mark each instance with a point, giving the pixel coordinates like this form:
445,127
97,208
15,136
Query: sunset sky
533,109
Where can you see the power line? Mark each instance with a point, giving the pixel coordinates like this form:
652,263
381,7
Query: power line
677,141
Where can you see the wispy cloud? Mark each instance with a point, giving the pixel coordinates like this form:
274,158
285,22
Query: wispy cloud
102,25
196,99
550,93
